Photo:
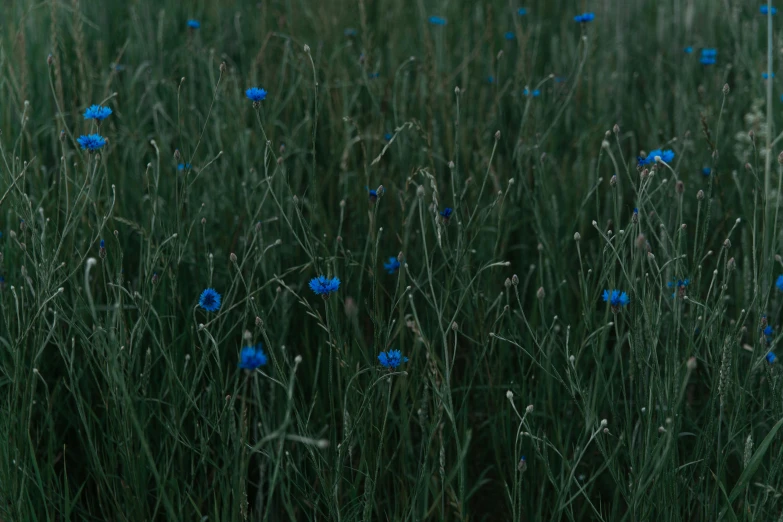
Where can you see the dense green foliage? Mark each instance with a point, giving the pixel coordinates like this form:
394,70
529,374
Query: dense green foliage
525,397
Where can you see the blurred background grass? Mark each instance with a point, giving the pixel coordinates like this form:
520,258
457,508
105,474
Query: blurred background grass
117,404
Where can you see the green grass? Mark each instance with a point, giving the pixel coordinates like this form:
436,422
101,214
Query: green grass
121,399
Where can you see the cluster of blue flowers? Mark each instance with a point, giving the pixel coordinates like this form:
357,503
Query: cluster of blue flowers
765,10
535,93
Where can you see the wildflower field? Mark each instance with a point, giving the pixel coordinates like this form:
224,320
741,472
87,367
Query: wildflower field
391,261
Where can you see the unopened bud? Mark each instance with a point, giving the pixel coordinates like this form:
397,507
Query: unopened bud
726,89
497,135
540,294
514,280
691,364
507,283
509,395
727,243
679,187
50,59
616,128
700,195
233,257
222,67
577,236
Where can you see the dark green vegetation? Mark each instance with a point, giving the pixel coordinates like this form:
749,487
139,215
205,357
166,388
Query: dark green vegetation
120,399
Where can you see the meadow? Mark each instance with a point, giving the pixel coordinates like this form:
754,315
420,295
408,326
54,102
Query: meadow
377,260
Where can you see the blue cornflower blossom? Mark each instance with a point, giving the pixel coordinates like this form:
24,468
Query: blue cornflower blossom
251,357
97,113
324,286
183,166
391,359
584,18
766,10
392,265
194,24
779,282
521,11
255,94
766,76
103,244
209,300
688,50
771,357
535,93
91,142
373,194
387,136
708,56
768,332
509,35
706,171
666,156
446,213
680,285
437,20
616,298
349,31
490,79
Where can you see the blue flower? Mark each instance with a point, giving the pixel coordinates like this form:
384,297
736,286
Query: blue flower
349,31
373,194
373,75
437,20
779,282
392,265
446,213
766,75
584,18
765,10
666,156
91,142
771,357
391,359
194,24
680,285
96,112
708,56
535,93
183,166
255,94
616,298
324,286
251,357
209,300
490,79
509,35
521,11
688,50
387,136
706,171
